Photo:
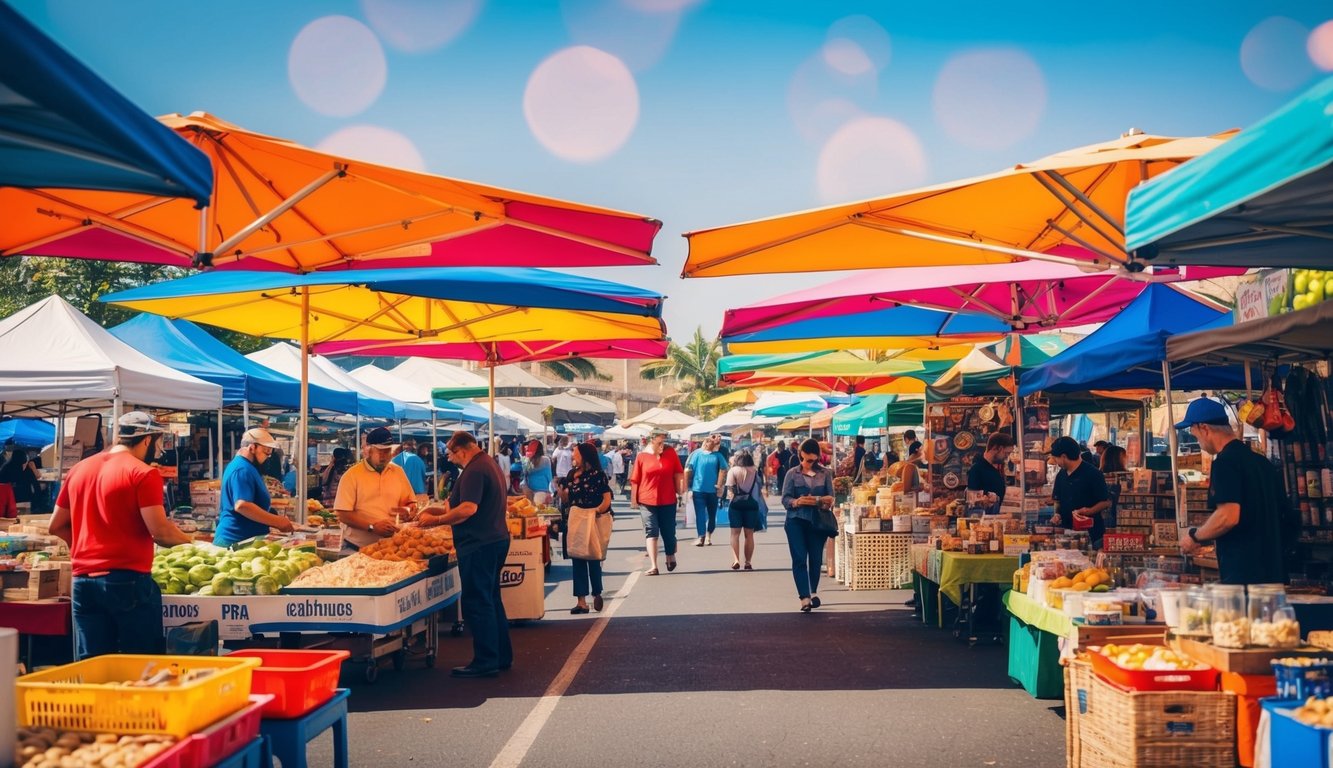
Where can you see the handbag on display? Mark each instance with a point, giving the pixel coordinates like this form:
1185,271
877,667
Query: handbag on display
589,535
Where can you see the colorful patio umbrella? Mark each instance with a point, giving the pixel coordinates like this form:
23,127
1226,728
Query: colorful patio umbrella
880,412
278,205
62,127
1265,198
1073,199
449,305
993,369
890,327
837,371
735,397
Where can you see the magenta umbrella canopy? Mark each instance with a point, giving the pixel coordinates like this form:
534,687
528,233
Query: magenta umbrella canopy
1030,296
505,351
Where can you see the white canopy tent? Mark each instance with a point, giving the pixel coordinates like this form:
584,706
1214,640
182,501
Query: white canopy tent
662,417
626,433
56,361
419,393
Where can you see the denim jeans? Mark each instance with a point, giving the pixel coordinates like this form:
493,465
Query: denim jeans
659,520
586,571
483,610
705,512
807,555
120,612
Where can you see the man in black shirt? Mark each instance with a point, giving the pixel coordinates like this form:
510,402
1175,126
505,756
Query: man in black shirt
1246,496
859,458
476,510
984,474
913,446
1080,490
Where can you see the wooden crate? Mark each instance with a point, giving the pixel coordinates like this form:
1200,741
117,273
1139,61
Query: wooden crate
1123,729
40,584
880,561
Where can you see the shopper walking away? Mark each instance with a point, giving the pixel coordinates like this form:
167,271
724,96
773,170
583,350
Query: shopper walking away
781,460
586,486
656,483
617,465
476,510
562,457
1080,491
806,488
705,473
245,500
413,466
745,487
110,512
537,474
1252,520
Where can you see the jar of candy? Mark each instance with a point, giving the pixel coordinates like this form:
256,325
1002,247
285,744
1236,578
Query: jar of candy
1230,620
1196,613
1272,621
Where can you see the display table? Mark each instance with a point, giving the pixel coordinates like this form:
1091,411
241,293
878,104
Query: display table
1035,632
944,574
48,618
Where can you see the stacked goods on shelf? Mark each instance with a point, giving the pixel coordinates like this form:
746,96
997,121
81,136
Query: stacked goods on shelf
205,496
525,518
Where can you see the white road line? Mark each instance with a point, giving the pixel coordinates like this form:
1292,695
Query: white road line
514,750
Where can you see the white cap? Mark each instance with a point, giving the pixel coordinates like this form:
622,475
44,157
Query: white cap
139,423
258,436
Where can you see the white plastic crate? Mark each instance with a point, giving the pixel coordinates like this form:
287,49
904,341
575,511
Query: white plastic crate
880,561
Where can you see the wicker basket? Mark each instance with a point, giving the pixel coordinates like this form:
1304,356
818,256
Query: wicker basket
880,561
1123,729
1078,674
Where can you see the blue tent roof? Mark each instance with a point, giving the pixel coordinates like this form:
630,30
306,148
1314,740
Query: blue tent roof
1264,198
63,126
1127,351
30,433
892,321
463,410
186,347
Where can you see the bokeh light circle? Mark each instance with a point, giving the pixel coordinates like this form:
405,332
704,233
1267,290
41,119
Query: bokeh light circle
336,66
1320,46
581,103
638,34
1273,54
990,98
414,26
820,98
374,144
855,45
870,157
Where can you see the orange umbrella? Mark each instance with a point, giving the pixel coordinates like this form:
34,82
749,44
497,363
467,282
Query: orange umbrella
1070,204
279,205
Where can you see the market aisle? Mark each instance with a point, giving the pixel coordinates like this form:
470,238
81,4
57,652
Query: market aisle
708,666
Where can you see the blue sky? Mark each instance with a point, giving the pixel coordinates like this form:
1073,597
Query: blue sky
702,113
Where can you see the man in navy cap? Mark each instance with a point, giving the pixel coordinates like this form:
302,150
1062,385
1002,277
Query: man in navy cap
1245,493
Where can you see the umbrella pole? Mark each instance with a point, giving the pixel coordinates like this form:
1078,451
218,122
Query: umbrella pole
60,444
245,415
490,422
434,448
1182,516
303,426
219,444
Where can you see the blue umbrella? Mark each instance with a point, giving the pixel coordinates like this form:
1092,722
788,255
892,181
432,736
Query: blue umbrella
30,433
868,329
1264,198
61,126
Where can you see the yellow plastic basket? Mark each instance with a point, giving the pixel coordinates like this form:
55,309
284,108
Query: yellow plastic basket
86,696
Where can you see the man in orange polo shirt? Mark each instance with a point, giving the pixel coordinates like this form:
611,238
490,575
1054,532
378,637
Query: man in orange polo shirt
110,512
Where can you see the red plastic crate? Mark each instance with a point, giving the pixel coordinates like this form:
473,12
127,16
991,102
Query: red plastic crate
299,681
1204,679
170,758
219,740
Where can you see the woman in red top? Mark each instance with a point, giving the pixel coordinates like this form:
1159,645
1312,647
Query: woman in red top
657,481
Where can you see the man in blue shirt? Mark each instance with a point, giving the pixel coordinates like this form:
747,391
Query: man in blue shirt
705,473
413,467
243,508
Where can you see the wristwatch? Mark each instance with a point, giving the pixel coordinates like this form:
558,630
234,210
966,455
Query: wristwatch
1194,534
371,527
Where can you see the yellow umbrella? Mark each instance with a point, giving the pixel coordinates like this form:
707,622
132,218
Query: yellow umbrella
1070,204
279,205
735,397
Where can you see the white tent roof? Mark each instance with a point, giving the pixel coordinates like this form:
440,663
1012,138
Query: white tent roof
727,422
662,417
285,358
510,421
52,352
428,374
408,391
514,376
626,433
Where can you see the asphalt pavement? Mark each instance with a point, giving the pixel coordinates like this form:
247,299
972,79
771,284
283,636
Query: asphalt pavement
708,667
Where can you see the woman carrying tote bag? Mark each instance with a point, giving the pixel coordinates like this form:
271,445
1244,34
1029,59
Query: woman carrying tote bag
745,486
587,492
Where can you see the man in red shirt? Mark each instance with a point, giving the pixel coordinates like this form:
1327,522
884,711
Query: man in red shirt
656,483
110,511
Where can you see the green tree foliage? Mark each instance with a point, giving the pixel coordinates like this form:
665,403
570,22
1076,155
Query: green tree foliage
26,280
693,369
573,368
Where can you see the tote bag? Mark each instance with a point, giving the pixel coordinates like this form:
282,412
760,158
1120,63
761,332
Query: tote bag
589,534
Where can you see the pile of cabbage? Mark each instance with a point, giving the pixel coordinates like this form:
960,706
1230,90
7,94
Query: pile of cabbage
257,568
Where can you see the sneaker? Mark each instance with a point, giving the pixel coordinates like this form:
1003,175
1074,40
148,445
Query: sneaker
708,540
699,542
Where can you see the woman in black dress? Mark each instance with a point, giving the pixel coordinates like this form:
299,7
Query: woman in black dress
586,486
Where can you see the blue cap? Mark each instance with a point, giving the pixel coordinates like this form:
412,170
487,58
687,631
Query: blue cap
1204,410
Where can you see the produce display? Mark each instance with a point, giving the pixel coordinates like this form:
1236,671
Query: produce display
260,568
522,506
358,570
413,543
1149,657
170,675
1315,711
1087,580
316,516
49,748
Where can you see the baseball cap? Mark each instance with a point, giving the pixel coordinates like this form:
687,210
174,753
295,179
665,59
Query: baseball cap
258,436
657,431
380,437
139,423
1204,410
1065,446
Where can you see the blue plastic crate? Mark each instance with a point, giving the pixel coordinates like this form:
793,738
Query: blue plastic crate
1293,743
1303,682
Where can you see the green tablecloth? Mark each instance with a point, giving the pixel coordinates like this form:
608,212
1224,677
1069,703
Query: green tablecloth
951,570
1031,612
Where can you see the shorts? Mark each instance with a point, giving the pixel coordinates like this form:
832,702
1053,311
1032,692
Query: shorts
743,518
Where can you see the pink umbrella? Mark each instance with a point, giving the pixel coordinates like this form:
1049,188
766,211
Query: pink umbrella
1030,296
501,352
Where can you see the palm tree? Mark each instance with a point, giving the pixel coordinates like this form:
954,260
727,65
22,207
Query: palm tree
693,368
572,368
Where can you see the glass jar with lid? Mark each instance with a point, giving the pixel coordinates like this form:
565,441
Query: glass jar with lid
1231,620
1272,621
1196,612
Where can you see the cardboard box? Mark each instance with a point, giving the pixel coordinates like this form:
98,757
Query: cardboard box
1017,544
40,584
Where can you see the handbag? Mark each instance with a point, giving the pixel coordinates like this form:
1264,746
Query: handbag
589,535
746,502
825,523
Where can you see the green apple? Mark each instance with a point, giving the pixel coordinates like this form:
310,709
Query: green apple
1316,290
1300,302
1302,283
